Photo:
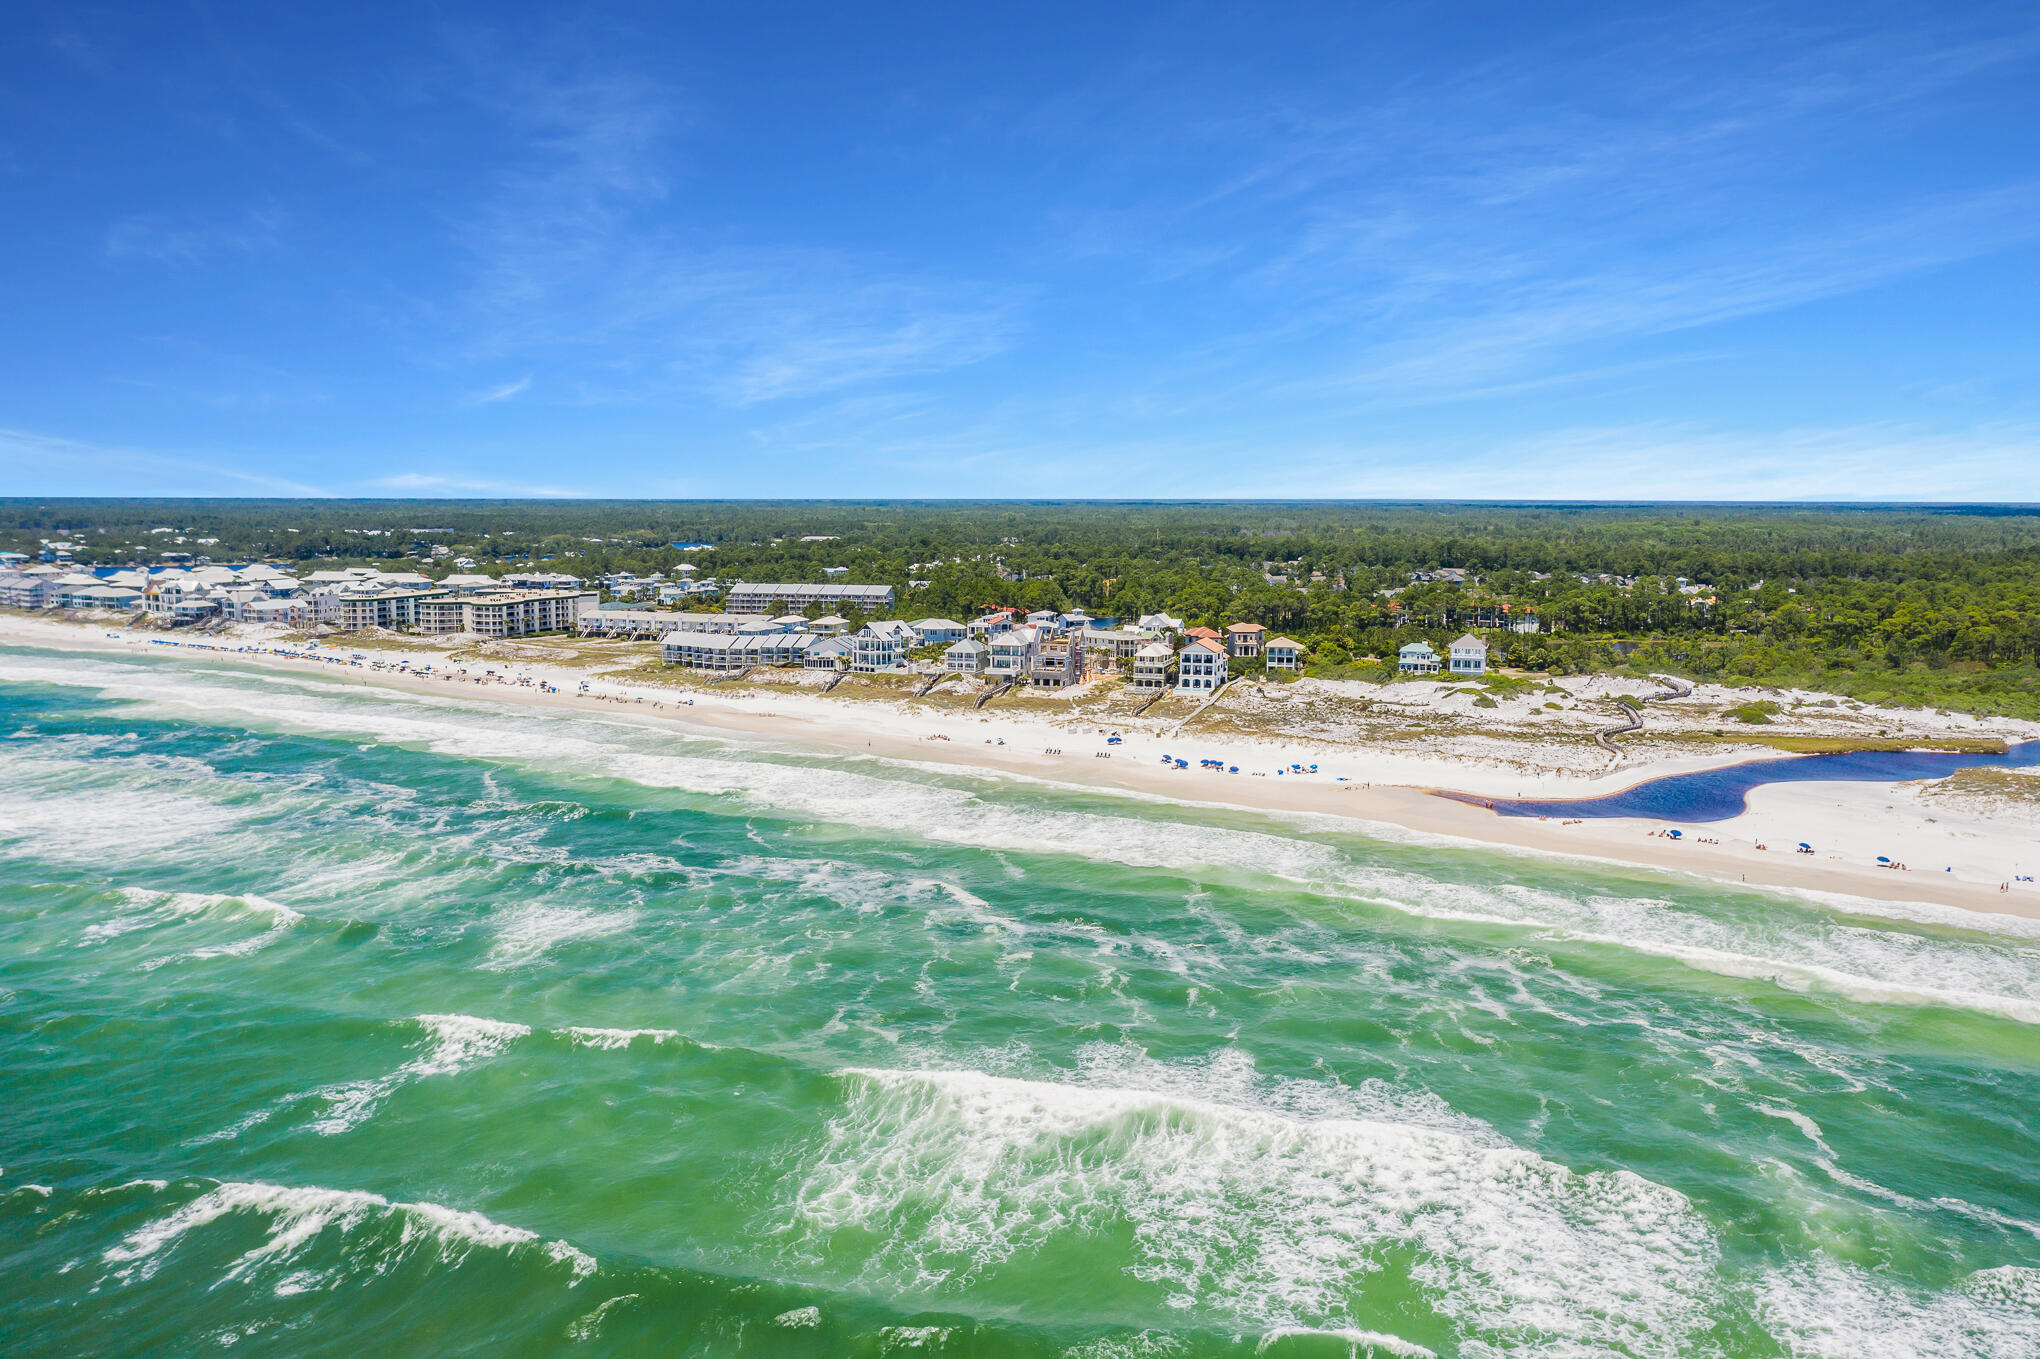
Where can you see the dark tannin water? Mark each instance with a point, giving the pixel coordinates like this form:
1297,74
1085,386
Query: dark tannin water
1718,794
335,1020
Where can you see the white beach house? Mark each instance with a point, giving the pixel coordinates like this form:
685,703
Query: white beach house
1469,656
1012,653
1283,653
1200,667
1154,665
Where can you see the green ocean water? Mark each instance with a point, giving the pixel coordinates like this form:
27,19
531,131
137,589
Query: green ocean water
334,1020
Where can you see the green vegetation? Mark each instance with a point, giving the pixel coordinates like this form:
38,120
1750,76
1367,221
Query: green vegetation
1756,714
1911,606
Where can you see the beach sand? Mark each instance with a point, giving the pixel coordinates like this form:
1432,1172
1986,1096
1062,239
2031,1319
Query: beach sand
1957,856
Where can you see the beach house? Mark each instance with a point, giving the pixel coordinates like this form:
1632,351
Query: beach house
1058,664
939,631
1417,659
1155,624
1283,653
1200,666
880,646
1244,639
1469,656
1012,653
968,657
1154,666
828,653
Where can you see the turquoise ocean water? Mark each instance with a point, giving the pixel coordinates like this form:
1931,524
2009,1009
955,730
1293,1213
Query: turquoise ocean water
336,1021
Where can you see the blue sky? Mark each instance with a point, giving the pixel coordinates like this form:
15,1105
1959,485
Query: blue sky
1446,250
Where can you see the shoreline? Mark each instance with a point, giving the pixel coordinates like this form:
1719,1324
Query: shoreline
1381,788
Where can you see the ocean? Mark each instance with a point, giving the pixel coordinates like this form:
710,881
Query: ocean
336,1019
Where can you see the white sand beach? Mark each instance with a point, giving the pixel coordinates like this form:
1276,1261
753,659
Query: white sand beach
1959,850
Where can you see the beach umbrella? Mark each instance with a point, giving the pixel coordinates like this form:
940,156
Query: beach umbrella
1882,859
1804,845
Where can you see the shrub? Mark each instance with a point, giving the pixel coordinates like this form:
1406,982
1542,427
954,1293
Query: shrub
1758,713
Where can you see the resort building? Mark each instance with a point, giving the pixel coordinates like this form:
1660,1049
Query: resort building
1284,653
727,651
639,622
1154,666
1417,659
880,646
506,613
353,609
539,580
1244,639
1200,667
23,591
968,657
1012,653
1469,656
750,597
1059,663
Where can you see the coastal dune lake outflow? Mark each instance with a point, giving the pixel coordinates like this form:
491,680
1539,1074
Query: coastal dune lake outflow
334,1016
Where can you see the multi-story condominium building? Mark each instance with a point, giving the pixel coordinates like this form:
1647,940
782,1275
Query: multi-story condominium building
1059,664
727,651
1283,653
751,597
1154,666
1012,653
1200,667
24,591
540,580
353,609
1469,656
506,613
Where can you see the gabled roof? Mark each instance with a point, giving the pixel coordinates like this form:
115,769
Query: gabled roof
1156,651
1245,627
1205,644
1206,633
1469,640
970,645
1289,642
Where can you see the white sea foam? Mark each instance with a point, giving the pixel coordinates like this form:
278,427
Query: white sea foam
458,1042
298,1216
1357,1341
1824,1309
799,1317
529,932
1258,1214
611,1040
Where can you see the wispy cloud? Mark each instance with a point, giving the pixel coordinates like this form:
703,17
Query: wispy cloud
47,464
172,238
583,258
503,393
